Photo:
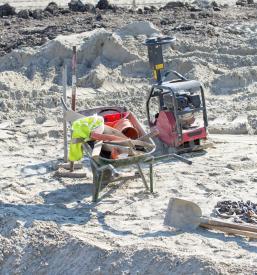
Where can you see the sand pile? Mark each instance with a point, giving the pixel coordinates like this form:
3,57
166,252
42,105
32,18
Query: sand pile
59,252
49,225
30,79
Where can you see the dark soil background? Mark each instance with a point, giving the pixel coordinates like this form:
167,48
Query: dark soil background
35,27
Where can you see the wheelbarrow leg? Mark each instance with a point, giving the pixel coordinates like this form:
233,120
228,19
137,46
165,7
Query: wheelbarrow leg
95,185
142,176
97,181
151,177
98,178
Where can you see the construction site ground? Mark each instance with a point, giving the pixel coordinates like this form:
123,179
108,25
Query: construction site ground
50,225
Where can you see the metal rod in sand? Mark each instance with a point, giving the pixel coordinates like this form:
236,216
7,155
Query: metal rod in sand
74,82
64,88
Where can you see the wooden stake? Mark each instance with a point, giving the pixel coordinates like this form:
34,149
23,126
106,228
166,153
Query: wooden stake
64,174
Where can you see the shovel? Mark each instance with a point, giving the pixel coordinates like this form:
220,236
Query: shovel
187,215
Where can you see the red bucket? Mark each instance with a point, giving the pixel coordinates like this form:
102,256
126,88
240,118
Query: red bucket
111,119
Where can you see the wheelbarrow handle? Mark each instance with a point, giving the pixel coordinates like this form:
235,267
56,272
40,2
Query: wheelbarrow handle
163,157
178,157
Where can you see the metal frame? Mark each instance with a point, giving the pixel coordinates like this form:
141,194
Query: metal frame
100,168
169,87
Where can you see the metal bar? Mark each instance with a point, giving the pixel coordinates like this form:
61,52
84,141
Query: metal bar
142,176
73,95
151,176
161,101
174,101
99,179
179,75
74,78
159,158
205,118
64,105
65,136
178,157
95,186
148,107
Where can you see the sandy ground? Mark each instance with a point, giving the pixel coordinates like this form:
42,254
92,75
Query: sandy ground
49,225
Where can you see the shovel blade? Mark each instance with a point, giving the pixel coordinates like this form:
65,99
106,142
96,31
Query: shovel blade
183,214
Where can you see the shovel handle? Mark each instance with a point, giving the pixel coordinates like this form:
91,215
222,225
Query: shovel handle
206,221
230,230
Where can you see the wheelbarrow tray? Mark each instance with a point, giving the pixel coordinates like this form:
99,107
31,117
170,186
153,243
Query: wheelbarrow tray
130,159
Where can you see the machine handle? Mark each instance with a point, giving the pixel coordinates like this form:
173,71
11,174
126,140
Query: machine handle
159,40
175,73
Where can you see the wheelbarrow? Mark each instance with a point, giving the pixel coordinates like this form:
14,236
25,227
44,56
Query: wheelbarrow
104,170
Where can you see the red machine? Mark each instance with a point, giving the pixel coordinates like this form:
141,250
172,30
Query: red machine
182,117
